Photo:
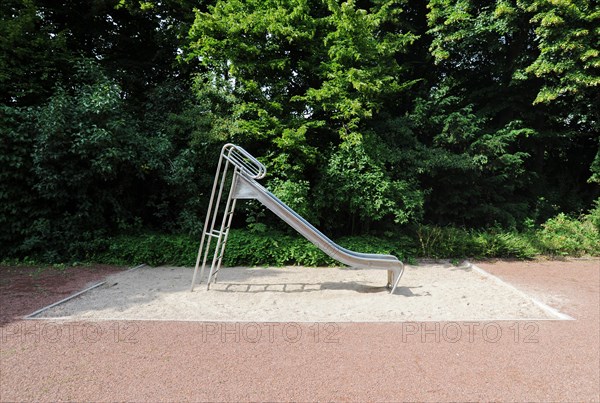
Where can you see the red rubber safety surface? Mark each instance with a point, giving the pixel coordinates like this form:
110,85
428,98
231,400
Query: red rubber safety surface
427,361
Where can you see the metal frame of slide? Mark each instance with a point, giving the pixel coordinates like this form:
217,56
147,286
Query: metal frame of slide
239,170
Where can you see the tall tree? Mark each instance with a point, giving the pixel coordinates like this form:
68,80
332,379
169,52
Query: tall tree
568,62
306,79
80,82
484,52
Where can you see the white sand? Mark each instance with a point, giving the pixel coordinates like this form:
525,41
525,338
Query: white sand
440,292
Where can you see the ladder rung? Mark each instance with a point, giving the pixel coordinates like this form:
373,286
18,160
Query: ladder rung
214,274
215,234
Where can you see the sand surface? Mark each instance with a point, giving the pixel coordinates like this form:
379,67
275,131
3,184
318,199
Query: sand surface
427,292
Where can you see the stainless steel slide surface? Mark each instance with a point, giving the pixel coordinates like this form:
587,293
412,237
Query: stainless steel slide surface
248,188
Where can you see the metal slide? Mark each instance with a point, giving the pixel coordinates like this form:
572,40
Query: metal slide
243,185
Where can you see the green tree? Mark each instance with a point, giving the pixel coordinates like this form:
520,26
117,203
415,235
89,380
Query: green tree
17,201
109,71
33,54
568,62
568,34
90,165
306,79
483,52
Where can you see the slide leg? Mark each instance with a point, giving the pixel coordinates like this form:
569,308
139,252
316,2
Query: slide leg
399,276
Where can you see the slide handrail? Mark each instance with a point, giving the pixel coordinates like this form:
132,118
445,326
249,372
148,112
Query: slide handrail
244,161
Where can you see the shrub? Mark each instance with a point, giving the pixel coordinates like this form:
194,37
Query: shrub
594,215
153,249
446,242
505,245
562,235
244,248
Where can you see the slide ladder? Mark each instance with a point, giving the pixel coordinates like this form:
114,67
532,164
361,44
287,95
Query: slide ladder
239,171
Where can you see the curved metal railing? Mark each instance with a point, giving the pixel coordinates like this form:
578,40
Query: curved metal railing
243,160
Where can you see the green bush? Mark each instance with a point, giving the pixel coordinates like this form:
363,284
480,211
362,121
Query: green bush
271,248
564,236
152,249
560,235
450,242
244,248
594,215
446,242
505,245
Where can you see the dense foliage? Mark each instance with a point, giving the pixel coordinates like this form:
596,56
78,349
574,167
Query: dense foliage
442,119
560,236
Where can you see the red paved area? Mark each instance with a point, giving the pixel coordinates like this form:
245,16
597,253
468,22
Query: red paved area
166,361
26,289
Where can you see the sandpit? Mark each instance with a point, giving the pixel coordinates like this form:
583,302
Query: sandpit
427,292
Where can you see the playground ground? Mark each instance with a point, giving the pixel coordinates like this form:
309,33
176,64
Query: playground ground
520,357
